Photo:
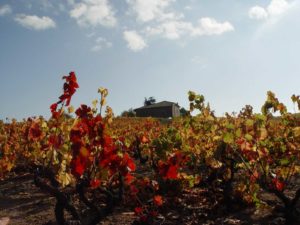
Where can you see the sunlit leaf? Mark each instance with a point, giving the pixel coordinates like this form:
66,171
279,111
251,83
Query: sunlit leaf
228,138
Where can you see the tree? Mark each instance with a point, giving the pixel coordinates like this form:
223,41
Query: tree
183,111
149,101
128,113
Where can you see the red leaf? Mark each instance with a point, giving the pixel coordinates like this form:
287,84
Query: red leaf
143,219
154,213
130,163
157,200
172,172
78,167
95,183
278,184
128,178
83,111
35,132
70,87
133,190
138,210
53,107
254,176
55,141
144,139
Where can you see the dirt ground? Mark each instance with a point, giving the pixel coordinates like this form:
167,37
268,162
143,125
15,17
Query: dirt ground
21,203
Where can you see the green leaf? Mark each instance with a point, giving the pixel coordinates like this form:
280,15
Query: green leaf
249,123
260,117
284,162
283,148
127,143
248,137
238,132
230,126
228,138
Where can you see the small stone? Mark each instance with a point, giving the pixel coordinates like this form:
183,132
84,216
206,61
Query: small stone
4,220
232,221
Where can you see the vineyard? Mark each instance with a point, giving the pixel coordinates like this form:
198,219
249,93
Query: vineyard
196,169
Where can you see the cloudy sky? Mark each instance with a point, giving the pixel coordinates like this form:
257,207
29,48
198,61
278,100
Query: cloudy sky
231,51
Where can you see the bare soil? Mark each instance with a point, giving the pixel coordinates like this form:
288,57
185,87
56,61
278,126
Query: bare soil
22,203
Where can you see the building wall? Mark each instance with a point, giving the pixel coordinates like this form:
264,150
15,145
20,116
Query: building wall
175,111
161,112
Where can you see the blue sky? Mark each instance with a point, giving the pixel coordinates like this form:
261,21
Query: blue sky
231,51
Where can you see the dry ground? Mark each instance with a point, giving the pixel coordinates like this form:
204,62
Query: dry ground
24,204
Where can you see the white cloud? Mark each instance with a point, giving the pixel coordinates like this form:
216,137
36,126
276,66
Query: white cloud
176,29
173,29
148,10
170,30
5,9
163,21
209,26
101,43
258,13
274,9
94,13
34,22
278,7
135,42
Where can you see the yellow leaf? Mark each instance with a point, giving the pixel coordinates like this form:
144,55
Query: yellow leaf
263,134
84,151
103,91
44,124
55,160
297,169
109,120
64,179
216,138
215,164
103,101
241,188
227,174
296,131
9,166
71,109
94,103
2,138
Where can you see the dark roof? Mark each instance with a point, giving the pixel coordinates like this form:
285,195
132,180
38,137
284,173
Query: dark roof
158,105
